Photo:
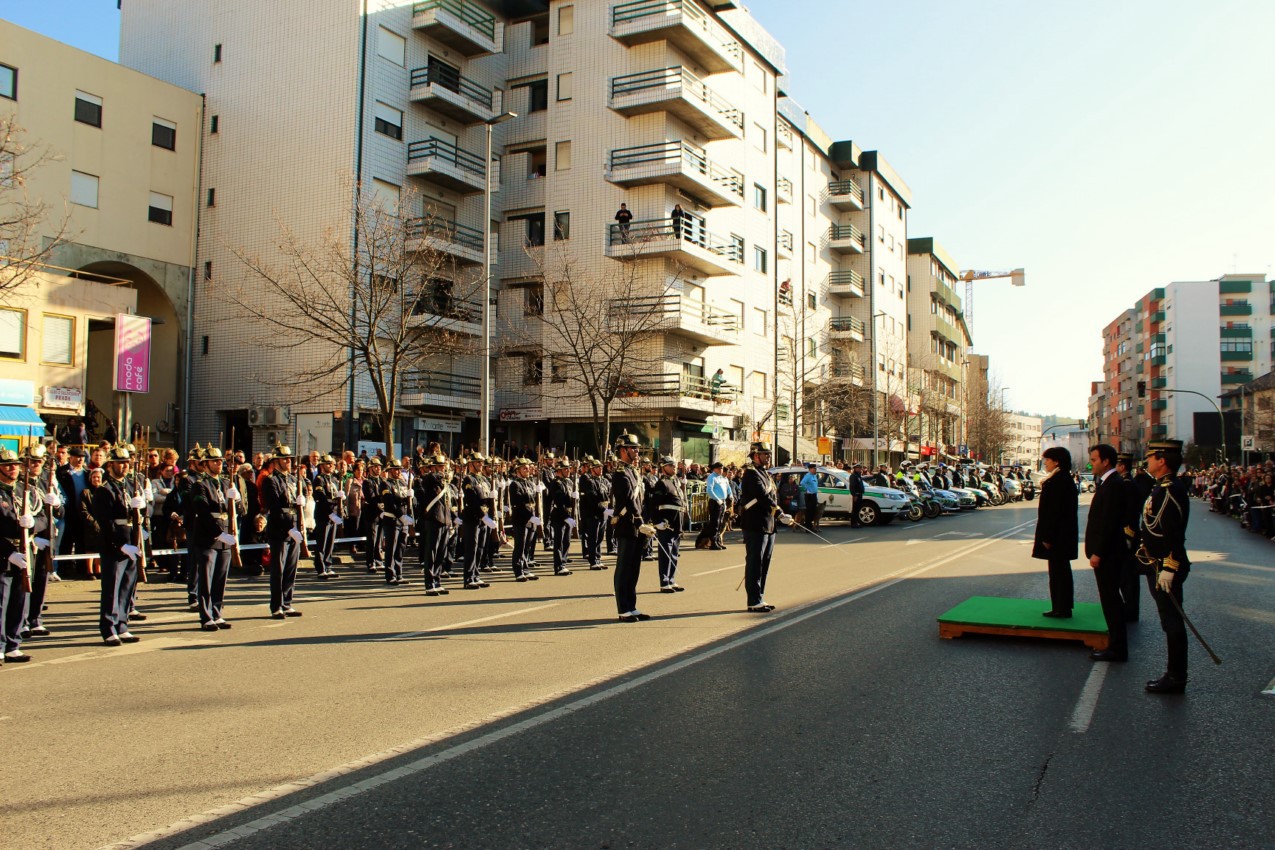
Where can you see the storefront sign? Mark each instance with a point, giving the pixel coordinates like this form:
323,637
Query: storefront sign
17,392
450,426
69,398
516,414
132,354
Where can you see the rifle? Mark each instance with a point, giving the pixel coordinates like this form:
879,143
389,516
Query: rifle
26,532
305,549
51,460
140,541
236,560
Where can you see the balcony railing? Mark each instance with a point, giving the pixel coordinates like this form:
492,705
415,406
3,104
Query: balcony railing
1241,377
672,312
1241,308
851,371
462,25
841,193
659,230
846,281
783,190
469,13
684,155
682,22
443,383
447,232
443,162
448,152
785,242
847,324
677,80
453,94
675,384
439,301
845,235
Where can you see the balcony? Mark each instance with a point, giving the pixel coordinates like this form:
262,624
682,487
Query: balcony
1237,332
437,308
1245,356
784,246
462,244
691,246
1157,317
844,195
441,389
1159,383
448,93
674,391
673,313
783,136
1159,432
945,330
1232,287
444,164
682,23
680,93
783,190
1236,308
852,372
846,327
1242,376
463,26
1159,404
845,239
679,164
1158,359
845,283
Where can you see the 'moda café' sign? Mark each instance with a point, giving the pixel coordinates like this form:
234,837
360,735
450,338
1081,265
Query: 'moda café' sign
132,354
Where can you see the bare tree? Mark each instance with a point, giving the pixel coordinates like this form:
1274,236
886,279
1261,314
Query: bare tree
394,298
987,422
800,363
30,230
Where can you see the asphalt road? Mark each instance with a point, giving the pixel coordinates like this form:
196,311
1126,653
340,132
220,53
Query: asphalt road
523,716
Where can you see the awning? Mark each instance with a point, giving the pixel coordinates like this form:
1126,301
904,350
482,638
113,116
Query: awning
20,421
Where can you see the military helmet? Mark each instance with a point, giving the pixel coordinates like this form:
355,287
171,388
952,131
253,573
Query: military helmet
119,454
35,451
212,453
374,460
760,446
476,457
326,459
668,460
627,441
563,463
282,452
8,457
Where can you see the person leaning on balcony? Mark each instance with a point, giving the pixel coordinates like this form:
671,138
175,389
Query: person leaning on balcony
679,217
715,384
624,216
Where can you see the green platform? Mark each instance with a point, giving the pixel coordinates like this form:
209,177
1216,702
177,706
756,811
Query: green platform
1023,617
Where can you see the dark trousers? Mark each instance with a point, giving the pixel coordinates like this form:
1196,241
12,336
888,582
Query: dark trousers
433,552
395,536
608,535
533,534
854,512
1062,592
812,511
35,599
522,535
190,571
1130,588
591,539
119,577
453,547
1108,575
716,522
628,566
1172,623
13,607
473,536
670,543
758,548
324,543
284,552
214,566
560,540
376,544
487,558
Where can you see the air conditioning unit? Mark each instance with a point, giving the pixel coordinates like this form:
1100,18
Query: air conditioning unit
256,417
278,416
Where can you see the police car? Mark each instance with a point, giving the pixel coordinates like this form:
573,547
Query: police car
879,506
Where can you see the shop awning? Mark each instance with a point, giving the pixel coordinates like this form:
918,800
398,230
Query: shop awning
20,421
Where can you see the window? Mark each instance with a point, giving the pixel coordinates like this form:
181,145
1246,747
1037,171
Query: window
562,156
761,321
900,212
566,20
533,368
203,345
164,134
812,348
8,163
812,301
881,233
759,137
88,109
208,270
534,235
564,86
214,124
8,82
216,53
561,226
212,197
58,343
736,374
538,94
84,189
540,30
760,384
759,196
388,121
161,209
758,75
534,300
392,46
385,195
13,333
760,263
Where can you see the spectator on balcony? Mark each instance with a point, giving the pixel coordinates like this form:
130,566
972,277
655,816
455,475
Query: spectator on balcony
785,292
624,216
716,383
680,216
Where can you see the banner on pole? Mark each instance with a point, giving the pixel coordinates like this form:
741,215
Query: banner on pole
132,354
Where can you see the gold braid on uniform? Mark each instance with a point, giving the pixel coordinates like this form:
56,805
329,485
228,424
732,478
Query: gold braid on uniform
1151,523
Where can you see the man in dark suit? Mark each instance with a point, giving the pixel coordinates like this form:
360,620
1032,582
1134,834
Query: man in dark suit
1106,547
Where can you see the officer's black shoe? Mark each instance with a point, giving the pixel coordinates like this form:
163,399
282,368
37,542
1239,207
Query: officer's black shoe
562,571
1058,615
112,641
222,624
138,615
128,637
39,631
1167,684
431,592
442,591
291,612
473,585
761,609
276,615
1108,655
321,576
210,627
16,658
517,578
667,588
677,588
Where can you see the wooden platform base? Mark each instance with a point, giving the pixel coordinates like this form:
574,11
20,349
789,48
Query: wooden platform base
955,630
994,615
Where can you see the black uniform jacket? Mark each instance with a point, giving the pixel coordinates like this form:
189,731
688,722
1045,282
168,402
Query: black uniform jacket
758,501
1056,522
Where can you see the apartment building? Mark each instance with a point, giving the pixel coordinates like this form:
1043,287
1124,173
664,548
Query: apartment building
1205,337
938,342
1098,413
1024,444
119,185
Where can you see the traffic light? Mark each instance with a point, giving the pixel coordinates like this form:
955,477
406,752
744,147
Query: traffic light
1142,389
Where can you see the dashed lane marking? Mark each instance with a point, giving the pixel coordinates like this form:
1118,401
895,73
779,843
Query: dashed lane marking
450,626
1082,714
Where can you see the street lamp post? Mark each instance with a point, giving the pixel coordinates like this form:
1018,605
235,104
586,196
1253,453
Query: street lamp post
484,384
876,401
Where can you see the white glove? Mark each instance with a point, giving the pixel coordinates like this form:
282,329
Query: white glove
540,488
294,534
146,535
786,519
39,543
26,521
227,538
647,529
336,519
301,500
406,521
1164,581
53,500
148,493
536,521
18,560
131,551
233,494
339,496
571,523
457,520
137,503
608,513
489,522
663,526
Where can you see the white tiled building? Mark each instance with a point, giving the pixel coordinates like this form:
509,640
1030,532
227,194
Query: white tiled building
938,340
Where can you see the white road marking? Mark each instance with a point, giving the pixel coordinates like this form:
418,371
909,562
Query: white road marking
345,792
912,542
5,718
718,570
450,626
1082,714
1270,690
145,645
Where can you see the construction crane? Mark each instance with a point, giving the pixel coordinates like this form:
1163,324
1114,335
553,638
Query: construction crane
1017,277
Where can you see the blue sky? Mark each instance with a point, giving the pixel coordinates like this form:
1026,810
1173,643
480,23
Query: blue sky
1107,147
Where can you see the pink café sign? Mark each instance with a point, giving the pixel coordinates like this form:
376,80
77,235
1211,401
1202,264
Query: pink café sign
132,354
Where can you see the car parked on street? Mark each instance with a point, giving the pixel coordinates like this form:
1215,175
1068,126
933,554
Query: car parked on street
879,506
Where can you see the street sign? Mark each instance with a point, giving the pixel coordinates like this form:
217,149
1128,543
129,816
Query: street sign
1248,443
825,445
